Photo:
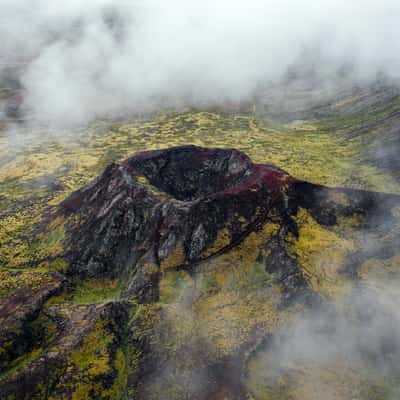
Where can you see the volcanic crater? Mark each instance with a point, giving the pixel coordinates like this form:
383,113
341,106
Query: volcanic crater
202,243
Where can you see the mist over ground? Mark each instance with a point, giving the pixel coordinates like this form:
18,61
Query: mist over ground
71,63
103,58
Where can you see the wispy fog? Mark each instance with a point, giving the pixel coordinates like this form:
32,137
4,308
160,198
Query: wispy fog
103,57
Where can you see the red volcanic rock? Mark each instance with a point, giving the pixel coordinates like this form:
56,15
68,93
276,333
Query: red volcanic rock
174,203
157,201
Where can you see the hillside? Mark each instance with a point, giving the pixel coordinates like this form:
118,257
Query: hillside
132,268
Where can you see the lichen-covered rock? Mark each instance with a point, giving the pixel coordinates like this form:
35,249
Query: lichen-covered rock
21,306
82,360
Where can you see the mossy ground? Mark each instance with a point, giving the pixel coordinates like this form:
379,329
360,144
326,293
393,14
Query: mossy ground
38,174
228,302
322,252
96,368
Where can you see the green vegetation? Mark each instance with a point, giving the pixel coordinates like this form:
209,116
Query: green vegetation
94,291
321,252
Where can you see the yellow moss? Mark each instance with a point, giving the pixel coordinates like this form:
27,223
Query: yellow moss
173,286
146,317
93,356
228,319
58,264
13,280
95,291
15,249
321,253
120,383
229,298
82,392
92,361
241,296
223,239
21,245
50,243
176,331
176,258
142,180
30,166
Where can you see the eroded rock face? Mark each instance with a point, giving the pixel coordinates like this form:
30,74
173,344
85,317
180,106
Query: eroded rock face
17,311
161,204
85,350
213,255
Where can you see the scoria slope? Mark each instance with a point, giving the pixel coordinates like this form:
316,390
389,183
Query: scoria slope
173,274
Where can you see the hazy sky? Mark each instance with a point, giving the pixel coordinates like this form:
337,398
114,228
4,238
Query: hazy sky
102,56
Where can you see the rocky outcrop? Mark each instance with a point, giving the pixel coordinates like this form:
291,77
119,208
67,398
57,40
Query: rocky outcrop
167,208
82,355
16,312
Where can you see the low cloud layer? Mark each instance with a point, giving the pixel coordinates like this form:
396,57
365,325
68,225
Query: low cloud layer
365,337
103,57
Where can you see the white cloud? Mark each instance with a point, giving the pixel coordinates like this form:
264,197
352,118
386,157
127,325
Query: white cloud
103,56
